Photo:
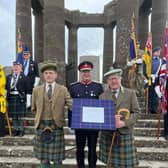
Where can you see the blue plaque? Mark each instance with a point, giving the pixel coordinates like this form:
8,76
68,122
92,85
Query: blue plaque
93,114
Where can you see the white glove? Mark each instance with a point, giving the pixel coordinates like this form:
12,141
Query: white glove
130,63
28,100
145,81
139,61
153,78
36,82
158,92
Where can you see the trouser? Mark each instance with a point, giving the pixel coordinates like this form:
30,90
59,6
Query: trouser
91,137
152,99
2,124
166,124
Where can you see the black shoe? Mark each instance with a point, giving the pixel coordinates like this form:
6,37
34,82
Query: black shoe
15,133
21,133
166,137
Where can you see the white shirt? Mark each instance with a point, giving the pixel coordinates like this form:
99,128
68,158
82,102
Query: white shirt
26,69
52,85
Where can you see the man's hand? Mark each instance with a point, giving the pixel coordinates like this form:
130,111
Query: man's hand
119,122
36,82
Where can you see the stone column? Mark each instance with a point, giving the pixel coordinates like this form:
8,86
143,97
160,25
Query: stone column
159,16
72,49
54,34
108,48
38,53
123,33
23,21
143,27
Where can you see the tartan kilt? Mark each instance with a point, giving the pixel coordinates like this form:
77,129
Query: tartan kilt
55,151
16,108
124,155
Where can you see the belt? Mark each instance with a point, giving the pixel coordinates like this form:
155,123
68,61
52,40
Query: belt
14,93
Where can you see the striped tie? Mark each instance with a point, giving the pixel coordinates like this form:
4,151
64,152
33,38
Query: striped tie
49,93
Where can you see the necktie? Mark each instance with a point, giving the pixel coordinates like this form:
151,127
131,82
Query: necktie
25,68
114,96
14,80
25,64
49,91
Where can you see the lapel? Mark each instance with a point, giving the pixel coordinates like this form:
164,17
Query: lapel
120,97
41,96
55,94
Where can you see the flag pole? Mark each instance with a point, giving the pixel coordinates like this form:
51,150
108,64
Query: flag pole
132,70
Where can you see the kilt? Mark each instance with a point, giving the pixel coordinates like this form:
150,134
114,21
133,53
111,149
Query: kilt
49,152
16,108
124,155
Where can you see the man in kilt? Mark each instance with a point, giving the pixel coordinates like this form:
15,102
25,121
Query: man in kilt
48,101
16,98
123,154
86,89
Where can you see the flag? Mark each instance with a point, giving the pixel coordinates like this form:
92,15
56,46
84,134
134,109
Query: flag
148,59
133,48
19,47
163,71
2,91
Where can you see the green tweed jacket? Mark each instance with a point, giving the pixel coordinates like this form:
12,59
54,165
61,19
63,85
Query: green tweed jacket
60,99
126,99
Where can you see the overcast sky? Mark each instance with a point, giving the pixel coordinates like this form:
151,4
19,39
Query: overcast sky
90,40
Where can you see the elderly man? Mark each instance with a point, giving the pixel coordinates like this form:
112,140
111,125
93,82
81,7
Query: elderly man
48,101
30,70
16,87
123,149
155,69
86,89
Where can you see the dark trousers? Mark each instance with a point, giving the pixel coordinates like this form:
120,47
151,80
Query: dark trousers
91,137
152,99
166,124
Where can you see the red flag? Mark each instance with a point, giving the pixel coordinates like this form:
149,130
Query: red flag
164,72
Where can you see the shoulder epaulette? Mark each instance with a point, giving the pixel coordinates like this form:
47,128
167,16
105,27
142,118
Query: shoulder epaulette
74,83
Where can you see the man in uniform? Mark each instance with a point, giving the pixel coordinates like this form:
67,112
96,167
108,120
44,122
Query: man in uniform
86,89
30,69
156,65
16,87
123,149
138,78
48,101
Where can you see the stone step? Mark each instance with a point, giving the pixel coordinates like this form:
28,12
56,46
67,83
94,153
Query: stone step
147,132
27,140
146,153
17,162
149,116
149,123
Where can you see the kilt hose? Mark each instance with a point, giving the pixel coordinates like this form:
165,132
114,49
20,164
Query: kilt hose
124,154
16,108
54,151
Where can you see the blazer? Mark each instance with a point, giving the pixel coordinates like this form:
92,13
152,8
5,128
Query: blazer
60,98
21,86
126,99
33,72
